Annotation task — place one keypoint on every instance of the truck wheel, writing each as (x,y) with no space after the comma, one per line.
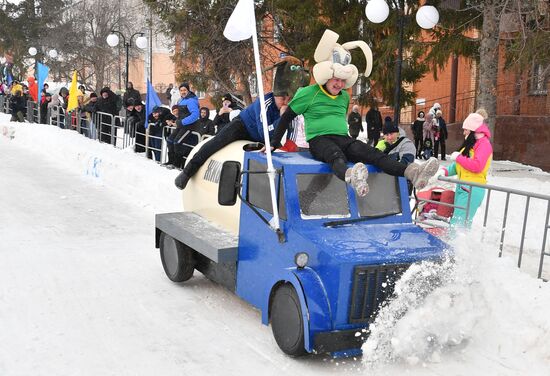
(177,259)
(286,321)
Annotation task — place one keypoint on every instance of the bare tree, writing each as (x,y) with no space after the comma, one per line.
(83,44)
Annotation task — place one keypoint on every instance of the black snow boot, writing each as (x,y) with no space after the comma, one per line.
(181,180)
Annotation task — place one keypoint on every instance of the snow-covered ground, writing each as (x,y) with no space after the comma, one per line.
(82,290)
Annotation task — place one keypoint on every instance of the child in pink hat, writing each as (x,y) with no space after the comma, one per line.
(471,163)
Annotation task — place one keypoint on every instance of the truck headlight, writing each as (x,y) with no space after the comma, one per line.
(301,259)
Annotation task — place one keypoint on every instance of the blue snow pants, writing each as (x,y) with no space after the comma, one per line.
(461,199)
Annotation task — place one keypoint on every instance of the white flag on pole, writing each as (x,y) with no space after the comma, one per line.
(241,25)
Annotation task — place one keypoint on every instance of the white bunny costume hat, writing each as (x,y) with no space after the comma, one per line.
(334,60)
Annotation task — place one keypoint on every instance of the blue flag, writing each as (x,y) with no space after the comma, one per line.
(42,74)
(7,74)
(151,100)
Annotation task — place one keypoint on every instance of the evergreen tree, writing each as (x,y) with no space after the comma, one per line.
(28,24)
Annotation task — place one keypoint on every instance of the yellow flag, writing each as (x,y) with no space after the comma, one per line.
(73,95)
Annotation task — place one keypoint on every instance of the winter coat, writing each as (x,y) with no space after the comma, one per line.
(402,150)
(416,128)
(131,93)
(252,119)
(442,128)
(44,111)
(91,107)
(374,123)
(221,121)
(156,125)
(355,124)
(205,125)
(428,130)
(189,111)
(17,104)
(474,168)
(109,104)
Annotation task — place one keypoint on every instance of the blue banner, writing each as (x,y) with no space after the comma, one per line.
(42,74)
(151,101)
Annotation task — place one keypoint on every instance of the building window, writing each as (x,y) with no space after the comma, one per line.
(538,80)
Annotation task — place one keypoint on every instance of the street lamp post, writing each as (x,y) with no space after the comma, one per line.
(33,51)
(141,43)
(427,17)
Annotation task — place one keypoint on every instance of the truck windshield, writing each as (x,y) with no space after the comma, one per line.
(326,196)
(322,196)
(383,198)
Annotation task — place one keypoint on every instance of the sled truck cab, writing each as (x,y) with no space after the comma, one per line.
(320,280)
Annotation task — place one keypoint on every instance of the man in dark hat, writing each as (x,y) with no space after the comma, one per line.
(107,104)
(158,119)
(131,93)
(396,144)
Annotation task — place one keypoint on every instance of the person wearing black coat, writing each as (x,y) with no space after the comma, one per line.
(204,125)
(131,93)
(222,117)
(137,117)
(44,108)
(442,137)
(416,129)
(107,104)
(18,106)
(354,122)
(158,119)
(374,125)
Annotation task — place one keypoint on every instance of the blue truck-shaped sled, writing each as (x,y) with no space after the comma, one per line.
(320,281)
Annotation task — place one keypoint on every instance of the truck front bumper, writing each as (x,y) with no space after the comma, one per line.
(338,341)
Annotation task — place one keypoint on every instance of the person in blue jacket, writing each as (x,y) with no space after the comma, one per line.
(189,113)
(289,76)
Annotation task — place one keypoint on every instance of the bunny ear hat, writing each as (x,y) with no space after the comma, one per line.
(334,60)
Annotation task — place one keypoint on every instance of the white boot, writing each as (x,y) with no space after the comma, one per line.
(420,174)
(357,176)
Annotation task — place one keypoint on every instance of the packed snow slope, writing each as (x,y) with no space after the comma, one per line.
(82,290)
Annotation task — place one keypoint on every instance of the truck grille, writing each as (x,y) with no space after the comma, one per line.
(372,285)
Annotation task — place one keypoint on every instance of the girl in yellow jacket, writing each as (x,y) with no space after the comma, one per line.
(471,164)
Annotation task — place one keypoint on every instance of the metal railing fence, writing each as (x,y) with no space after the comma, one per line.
(529,196)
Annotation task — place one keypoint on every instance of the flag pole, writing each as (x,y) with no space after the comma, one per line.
(270,169)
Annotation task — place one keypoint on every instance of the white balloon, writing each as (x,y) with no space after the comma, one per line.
(53,54)
(377,11)
(427,17)
(141,42)
(112,40)
(33,51)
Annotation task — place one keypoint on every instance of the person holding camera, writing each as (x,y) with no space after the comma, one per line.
(222,117)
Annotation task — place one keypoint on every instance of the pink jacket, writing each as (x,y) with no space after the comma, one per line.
(482,152)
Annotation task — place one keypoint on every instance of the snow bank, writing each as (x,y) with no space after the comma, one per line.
(131,175)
